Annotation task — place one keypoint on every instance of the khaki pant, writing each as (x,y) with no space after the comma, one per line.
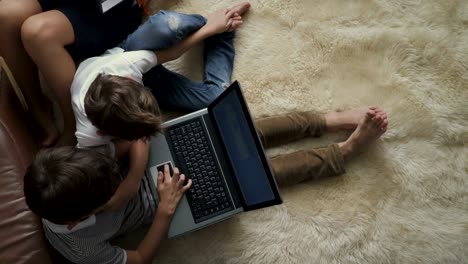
(302,165)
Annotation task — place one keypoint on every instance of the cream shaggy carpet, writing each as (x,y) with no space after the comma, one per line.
(406,199)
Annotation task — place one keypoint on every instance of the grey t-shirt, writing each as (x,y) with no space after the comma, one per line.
(89,241)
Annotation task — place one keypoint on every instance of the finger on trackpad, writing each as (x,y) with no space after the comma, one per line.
(160,167)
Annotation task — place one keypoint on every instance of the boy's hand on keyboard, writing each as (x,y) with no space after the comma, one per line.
(171,189)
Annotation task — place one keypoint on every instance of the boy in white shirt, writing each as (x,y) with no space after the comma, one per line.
(112,106)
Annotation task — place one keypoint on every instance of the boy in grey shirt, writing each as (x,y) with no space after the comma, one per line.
(68,186)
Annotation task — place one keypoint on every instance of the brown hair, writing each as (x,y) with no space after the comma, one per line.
(122,107)
(65,184)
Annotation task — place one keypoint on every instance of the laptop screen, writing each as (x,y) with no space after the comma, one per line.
(233,124)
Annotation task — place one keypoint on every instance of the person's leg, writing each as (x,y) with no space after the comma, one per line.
(219,54)
(174,91)
(316,163)
(12,15)
(299,166)
(281,129)
(277,130)
(162,30)
(370,127)
(347,119)
(44,37)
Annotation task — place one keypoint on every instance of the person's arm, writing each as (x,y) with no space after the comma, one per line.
(170,190)
(218,22)
(121,148)
(138,156)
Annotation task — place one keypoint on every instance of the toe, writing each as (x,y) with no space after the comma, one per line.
(377,120)
(380,123)
(370,113)
(385,123)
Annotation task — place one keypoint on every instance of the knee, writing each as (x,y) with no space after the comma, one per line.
(213,91)
(165,24)
(173,24)
(36,30)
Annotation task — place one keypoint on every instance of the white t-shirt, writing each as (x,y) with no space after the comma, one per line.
(132,64)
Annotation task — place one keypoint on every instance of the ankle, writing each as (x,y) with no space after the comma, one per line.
(347,149)
(331,121)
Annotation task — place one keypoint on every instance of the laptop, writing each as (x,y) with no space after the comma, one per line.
(219,149)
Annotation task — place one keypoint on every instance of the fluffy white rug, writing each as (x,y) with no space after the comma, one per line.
(406,199)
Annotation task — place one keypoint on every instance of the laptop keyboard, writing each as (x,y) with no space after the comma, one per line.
(208,196)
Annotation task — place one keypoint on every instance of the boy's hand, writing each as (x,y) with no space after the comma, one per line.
(171,189)
(223,20)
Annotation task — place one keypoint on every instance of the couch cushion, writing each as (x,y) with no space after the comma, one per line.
(22,239)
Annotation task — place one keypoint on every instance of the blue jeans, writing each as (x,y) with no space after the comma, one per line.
(162,30)
(172,90)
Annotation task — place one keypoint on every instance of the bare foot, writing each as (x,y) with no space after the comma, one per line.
(238,11)
(348,119)
(369,129)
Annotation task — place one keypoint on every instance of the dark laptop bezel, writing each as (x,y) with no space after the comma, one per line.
(277,197)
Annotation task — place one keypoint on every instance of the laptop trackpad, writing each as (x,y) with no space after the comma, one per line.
(159,155)
(160,168)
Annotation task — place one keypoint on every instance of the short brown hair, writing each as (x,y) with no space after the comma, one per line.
(122,107)
(65,184)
